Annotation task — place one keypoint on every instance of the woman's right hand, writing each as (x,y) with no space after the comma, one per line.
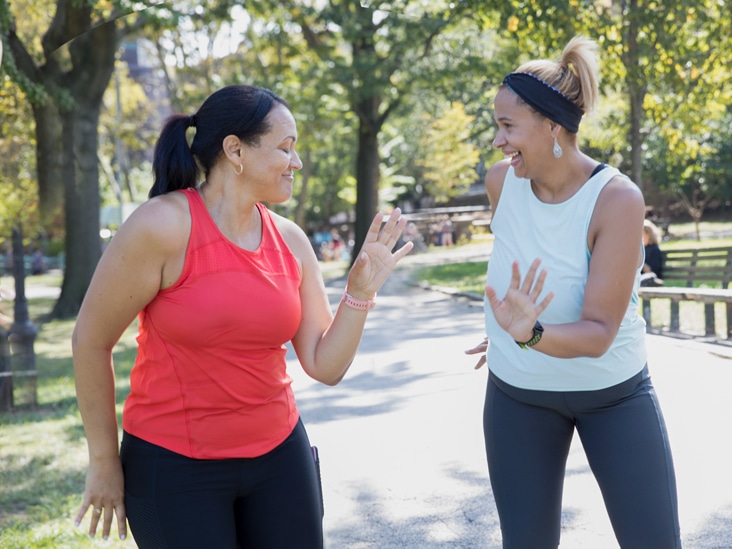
(104,493)
(518,311)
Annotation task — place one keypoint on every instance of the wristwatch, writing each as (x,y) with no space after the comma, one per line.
(536,338)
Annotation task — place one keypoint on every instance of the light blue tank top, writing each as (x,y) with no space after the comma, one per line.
(526,228)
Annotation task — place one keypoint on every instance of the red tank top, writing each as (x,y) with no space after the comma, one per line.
(210,381)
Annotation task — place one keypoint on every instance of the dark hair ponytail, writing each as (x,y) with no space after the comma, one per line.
(173,164)
(233,110)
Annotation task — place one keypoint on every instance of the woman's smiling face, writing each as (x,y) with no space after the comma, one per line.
(522,135)
(270,165)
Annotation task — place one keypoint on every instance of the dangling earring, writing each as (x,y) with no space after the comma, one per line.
(241,167)
(557,150)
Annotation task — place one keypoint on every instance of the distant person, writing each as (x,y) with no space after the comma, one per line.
(652,270)
(572,358)
(38,264)
(446,238)
(214,453)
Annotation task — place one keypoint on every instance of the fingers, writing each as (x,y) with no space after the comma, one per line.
(106,515)
(404,250)
(393,229)
(532,286)
(479,348)
(122,522)
(545,302)
(96,514)
(530,275)
(493,300)
(390,232)
(373,232)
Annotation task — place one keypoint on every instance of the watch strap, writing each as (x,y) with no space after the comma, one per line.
(535,338)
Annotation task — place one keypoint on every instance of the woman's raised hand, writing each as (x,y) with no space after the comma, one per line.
(376,261)
(518,311)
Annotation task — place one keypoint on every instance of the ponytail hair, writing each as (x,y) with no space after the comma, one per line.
(234,110)
(575,75)
(173,164)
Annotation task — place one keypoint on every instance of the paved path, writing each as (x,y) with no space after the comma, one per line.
(402,447)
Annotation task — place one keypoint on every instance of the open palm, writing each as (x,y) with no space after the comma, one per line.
(376,261)
(518,311)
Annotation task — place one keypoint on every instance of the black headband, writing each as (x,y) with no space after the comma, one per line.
(545,99)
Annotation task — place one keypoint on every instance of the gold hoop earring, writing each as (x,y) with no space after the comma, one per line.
(241,169)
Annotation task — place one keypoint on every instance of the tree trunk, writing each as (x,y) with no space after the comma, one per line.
(636,92)
(93,55)
(49,158)
(81,186)
(367,169)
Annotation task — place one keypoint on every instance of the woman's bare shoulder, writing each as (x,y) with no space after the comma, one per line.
(162,221)
(494,179)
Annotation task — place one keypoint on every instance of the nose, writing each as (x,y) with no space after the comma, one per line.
(295,161)
(499,141)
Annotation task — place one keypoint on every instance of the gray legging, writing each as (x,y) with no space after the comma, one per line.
(528,435)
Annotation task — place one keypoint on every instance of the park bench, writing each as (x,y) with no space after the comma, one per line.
(711,267)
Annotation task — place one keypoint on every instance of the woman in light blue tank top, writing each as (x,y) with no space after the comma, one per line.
(567,346)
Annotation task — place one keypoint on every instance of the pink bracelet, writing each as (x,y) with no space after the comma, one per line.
(360,304)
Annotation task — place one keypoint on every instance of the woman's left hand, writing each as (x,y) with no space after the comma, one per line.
(375,261)
(480,349)
(518,311)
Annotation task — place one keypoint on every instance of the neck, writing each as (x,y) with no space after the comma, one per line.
(563,178)
(236,215)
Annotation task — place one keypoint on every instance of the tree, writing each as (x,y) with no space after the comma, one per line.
(64,80)
(375,53)
(18,190)
(449,158)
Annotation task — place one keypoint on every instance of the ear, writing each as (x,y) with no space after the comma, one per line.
(232,149)
(554,128)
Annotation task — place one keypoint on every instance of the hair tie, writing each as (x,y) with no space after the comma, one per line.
(192,121)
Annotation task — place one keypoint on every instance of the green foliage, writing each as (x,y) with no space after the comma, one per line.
(449,159)
(18,190)
(127,132)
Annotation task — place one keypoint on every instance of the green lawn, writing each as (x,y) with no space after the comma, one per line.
(42,450)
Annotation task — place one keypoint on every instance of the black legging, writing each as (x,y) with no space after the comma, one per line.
(528,435)
(268,502)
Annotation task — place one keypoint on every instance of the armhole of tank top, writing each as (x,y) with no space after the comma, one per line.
(494,211)
(614,173)
(190,199)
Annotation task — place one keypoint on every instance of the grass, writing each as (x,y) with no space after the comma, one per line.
(43,453)
(466,276)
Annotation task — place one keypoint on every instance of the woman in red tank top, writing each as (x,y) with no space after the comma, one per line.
(213,452)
